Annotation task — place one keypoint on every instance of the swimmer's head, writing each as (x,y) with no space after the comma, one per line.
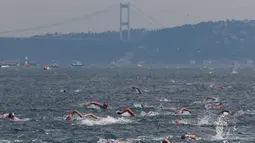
(184,136)
(11,115)
(105,105)
(166,141)
(69,117)
(119,112)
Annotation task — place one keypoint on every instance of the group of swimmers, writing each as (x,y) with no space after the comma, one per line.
(130,113)
(210,102)
(125,112)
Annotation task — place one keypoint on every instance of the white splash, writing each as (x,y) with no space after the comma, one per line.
(5,141)
(105,121)
(164,100)
(77,90)
(204,120)
(220,123)
(101,140)
(138,105)
(150,113)
(93,106)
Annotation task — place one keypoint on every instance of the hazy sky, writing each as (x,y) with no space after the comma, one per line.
(20,14)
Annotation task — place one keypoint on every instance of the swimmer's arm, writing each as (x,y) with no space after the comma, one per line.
(76,112)
(131,112)
(93,116)
(85,105)
(70,116)
(219,106)
(193,137)
(3,115)
(185,109)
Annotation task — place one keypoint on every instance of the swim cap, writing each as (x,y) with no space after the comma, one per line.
(183,136)
(11,115)
(118,112)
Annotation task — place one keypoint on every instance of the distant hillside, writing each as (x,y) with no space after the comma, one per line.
(207,40)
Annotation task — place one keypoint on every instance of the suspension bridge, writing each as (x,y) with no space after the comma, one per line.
(125,20)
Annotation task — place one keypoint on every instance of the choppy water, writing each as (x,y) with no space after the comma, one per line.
(35,94)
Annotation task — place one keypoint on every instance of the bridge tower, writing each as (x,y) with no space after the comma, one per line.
(126,22)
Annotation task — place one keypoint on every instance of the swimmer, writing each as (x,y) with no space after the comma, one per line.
(214,105)
(63,90)
(210,98)
(218,106)
(70,116)
(104,106)
(137,90)
(189,137)
(226,112)
(220,87)
(10,116)
(180,112)
(126,112)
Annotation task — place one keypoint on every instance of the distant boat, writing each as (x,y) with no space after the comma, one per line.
(46,67)
(77,63)
(4,66)
(54,65)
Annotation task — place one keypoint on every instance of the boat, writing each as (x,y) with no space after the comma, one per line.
(4,66)
(27,65)
(77,63)
(54,65)
(46,68)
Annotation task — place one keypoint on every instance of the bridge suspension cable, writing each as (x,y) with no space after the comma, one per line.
(61,22)
(149,19)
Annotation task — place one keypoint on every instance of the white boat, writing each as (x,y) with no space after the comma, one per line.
(46,68)
(4,66)
(77,63)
